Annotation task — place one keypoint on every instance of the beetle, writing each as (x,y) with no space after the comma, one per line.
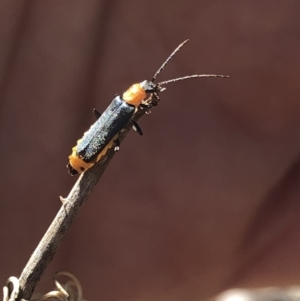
(104,133)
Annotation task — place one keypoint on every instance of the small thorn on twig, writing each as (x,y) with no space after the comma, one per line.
(63,200)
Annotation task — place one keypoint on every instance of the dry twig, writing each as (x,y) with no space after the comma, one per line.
(47,247)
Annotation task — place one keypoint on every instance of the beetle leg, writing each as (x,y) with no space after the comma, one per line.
(117,145)
(96,113)
(136,127)
(145,105)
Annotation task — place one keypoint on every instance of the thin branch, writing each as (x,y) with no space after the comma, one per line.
(47,247)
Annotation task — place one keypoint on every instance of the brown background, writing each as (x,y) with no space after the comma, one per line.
(209,197)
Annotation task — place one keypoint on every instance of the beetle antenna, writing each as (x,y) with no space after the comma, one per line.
(190,76)
(168,60)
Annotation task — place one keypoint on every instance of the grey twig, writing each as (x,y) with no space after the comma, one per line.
(47,247)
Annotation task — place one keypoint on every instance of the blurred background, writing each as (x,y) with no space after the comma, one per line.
(208,198)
